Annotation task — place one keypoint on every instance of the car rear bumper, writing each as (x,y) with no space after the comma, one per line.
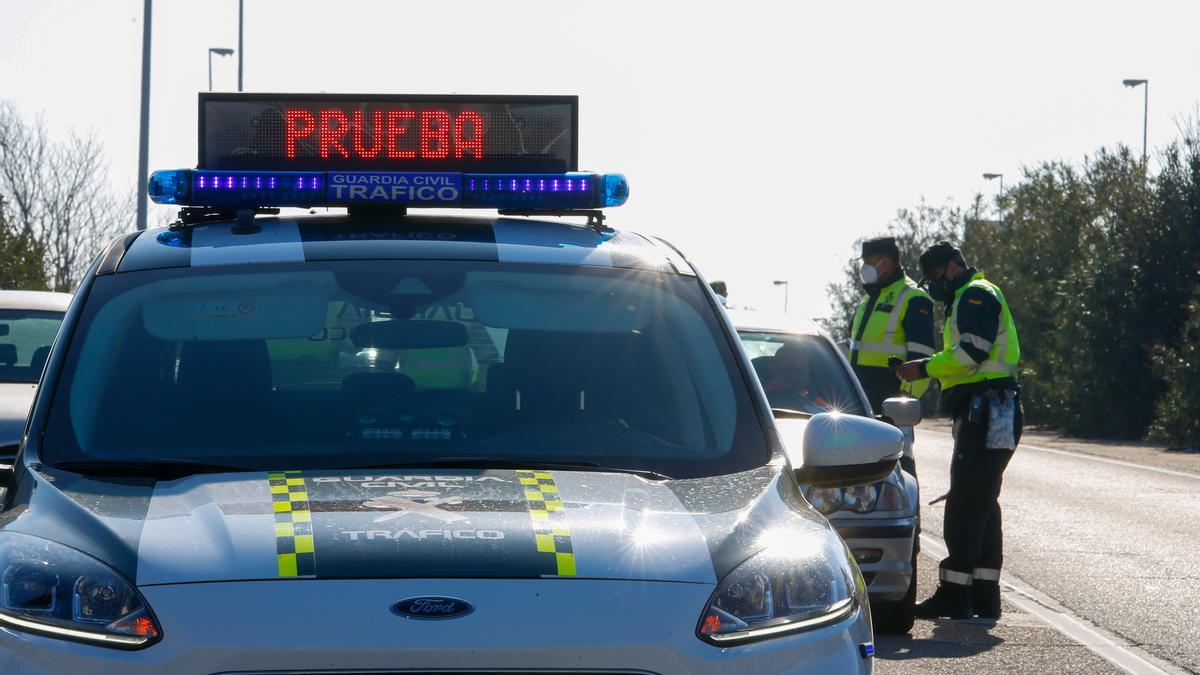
(334,626)
(892,541)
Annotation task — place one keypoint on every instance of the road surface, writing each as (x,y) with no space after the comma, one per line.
(1102,540)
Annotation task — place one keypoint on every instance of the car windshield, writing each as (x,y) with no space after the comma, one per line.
(377,363)
(802,372)
(25,338)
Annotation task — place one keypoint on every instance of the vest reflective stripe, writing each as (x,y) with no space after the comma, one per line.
(918,348)
(1004,353)
(875,347)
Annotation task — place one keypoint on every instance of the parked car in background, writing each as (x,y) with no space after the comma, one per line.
(29,321)
(803,374)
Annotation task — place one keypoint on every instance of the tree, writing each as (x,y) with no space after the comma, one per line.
(60,194)
(22,262)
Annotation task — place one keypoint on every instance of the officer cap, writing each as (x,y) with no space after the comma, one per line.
(880,245)
(939,255)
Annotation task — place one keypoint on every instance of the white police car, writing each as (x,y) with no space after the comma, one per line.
(380,442)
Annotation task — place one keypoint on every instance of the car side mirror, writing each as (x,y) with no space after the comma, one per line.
(844,450)
(903,411)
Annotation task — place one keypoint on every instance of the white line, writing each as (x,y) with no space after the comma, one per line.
(1028,599)
(1094,458)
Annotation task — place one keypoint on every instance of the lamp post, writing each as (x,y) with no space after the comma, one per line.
(785,285)
(144,127)
(1145,109)
(219,51)
(240,51)
(991,176)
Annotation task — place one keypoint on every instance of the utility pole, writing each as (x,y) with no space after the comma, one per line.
(240,46)
(144,132)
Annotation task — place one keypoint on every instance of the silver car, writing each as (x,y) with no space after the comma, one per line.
(803,373)
(29,321)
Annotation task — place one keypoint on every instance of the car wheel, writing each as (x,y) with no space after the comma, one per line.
(897,617)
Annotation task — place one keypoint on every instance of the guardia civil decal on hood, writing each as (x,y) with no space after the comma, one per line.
(405,524)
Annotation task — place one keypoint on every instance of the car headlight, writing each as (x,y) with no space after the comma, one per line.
(859,498)
(52,589)
(826,500)
(797,586)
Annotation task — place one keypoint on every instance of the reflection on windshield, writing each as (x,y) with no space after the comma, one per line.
(25,339)
(371,363)
(801,372)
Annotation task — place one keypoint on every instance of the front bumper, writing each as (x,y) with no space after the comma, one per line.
(312,626)
(893,540)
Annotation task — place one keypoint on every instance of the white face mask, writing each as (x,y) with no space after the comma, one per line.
(868,273)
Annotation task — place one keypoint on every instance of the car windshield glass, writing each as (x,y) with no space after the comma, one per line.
(25,338)
(377,363)
(802,372)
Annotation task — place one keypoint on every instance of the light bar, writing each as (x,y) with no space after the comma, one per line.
(526,191)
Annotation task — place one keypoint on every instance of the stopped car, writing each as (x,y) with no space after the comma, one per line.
(374,441)
(29,321)
(804,374)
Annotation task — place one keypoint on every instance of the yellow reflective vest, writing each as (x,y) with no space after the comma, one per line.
(883,335)
(962,359)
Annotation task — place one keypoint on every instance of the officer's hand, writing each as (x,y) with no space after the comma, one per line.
(909,371)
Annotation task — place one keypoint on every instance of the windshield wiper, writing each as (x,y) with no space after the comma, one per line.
(155,467)
(506,463)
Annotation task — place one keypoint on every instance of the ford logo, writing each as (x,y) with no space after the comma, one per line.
(432,607)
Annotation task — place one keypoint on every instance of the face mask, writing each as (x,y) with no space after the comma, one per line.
(868,273)
(939,290)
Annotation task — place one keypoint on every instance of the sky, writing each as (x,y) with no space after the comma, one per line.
(761,138)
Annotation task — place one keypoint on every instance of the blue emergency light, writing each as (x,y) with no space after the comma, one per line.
(533,192)
(504,152)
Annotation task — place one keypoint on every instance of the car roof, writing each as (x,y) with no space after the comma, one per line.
(770,322)
(424,236)
(44,301)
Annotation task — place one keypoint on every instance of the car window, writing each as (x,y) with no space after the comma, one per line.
(355,363)
(25,339)
(802,372)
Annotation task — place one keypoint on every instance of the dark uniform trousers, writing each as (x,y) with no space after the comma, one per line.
(972,525)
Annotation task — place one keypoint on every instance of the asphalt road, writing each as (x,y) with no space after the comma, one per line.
(1111,543)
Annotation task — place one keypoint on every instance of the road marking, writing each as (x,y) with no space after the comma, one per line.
(1104,644)
(1094,458)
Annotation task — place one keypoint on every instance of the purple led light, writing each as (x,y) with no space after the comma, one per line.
(514,184)
(528,185)
(258,183)
(471,184)
(229,182)
(541,185)
(485,184)
(314,183)
(570,185)
(555,185)
(244,179)
(201,182)
(272,182)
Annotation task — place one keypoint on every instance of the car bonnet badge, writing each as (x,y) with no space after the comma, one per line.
(432,607)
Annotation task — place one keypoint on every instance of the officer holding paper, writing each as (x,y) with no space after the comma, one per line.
(977,368)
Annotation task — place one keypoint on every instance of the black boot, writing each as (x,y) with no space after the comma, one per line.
(985,599)
(950,601)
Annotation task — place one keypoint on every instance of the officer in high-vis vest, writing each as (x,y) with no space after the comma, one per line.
(894,320)
(977,369)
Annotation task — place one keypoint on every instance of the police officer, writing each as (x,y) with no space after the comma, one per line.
(894,320)
(977,369)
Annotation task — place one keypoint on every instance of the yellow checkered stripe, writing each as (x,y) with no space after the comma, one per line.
(549,521)
(293,524)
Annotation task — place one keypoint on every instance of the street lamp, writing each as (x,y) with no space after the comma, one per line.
(1145,111)
(219,51)
(785,285)
(991,176)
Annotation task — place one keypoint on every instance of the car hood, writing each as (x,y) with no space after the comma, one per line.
(412,524)
(15,399)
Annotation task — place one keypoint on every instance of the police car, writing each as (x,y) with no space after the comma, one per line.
(804,373)
(376,441)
